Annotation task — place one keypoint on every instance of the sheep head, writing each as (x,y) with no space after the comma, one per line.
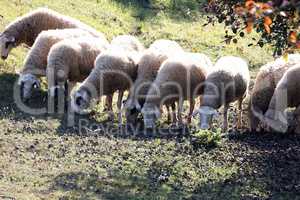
(28,83)
(150,113)
(132,109)
(81,100)
(206,114)
(275,120)
(7,43)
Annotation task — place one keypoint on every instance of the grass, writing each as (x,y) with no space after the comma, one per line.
(42,159)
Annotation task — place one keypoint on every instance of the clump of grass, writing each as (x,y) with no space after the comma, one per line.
(206,139)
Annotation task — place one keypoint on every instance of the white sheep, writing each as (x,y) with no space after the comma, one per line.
(286,95)
(25,29)
(128,43)
(36,60)
(227,82)
(179,78)
(121,57)
(115,70)
(148,67)
(265,83)
(71,61)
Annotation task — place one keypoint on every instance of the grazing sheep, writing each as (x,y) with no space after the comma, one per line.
(36,60)
(120,60)
(179,78)
(128,42)
(72,60)
(26,29)
(226,82)
(286,95)
(149,64)
(265,84)
(115,70)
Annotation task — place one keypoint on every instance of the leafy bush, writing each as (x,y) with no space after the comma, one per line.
(277,22)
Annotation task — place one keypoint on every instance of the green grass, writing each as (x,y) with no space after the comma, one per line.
(42,159)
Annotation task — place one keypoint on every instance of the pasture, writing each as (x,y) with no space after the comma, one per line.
(42,158)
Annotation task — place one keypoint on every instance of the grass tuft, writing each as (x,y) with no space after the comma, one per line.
(206,139)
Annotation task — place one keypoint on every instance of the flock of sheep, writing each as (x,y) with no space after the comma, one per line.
(68,51)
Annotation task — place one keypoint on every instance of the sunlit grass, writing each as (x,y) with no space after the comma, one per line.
(40,159)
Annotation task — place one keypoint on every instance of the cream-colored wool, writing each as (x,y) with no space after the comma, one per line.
(115,70)
(227,82)
(265,84)
(35,63)
(25,29)
(179,78)
(149,65)
(73,59)
(36,59)
(128,42)
(286,95)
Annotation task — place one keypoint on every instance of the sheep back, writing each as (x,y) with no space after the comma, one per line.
(150,63)
(231,77)
(117,69)
(75,57)
(36,59)
(128,42)
(186,71)
(27,27)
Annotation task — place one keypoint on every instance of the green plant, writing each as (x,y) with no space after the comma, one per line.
(206,139)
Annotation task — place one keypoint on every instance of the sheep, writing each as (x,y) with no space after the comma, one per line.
(115,70)
(286,95)
(149,64)
(72,60)
(36,60)
(26,29)
(227,82)
(128,43)
(121,59)
(179,78)
(265,84)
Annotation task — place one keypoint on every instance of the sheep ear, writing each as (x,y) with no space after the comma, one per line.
(36,85)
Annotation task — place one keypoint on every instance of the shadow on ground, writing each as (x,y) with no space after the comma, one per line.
(8,106)
(267,168)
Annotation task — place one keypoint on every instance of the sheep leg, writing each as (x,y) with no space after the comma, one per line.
(119,105)
(109,99)
(180,108)
(225,117)
(173,106)
(69,87)
(240,107)
(169,113)
(192,105)
(253,120)
(61,97)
